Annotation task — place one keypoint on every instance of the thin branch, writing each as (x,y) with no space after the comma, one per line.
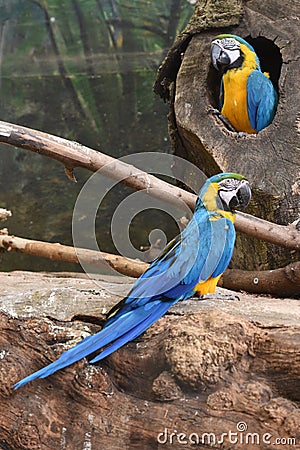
(72,155)
(67,253)
(5,214)
(282,282)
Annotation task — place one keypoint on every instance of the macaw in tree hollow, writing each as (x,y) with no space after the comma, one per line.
(247,96)
(191,264)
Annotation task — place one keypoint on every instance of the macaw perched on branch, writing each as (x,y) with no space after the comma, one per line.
(191,264)
(247,96)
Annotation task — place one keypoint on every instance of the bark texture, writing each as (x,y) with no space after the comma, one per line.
(270,159)
(210,366)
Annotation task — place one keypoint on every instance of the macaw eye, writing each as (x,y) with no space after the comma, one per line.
(228,182)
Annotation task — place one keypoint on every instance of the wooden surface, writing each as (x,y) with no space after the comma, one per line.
(203,368)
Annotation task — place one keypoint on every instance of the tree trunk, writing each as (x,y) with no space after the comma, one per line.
(270,159)
(199,370)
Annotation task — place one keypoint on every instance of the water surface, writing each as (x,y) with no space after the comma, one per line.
(83,70)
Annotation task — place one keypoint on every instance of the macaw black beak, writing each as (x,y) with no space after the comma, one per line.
(219,57)
(242,198)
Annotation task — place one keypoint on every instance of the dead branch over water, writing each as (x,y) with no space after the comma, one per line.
(73,155)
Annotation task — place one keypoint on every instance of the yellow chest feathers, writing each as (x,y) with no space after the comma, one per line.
(235,99)
(235,106)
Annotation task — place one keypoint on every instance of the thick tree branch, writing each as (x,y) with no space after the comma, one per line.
(282,282)
(72,155)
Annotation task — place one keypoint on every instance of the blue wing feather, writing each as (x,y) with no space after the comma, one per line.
(228,248)
(221,252)
(262,100)
(174,271)
(170,278)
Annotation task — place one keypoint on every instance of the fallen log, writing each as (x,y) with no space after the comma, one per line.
(72,155)
(190,378)
(283,282)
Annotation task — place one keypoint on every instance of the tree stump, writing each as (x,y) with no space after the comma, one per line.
(270,159)
(216,373)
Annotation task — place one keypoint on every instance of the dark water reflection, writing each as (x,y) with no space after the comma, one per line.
(97,94)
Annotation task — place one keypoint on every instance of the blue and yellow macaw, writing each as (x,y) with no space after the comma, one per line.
(247,96)
(191,264)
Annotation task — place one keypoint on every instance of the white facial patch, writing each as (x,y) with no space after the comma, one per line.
(231,47)
(226,196)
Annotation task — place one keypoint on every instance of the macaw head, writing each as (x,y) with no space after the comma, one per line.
(226,191)
(231,52)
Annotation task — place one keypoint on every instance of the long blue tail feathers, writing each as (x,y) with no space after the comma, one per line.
(118,333)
